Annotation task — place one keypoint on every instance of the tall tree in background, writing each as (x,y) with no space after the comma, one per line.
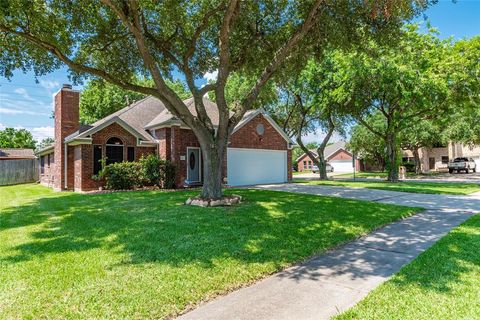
(120,40)
(16,138)
(45,143)
(364,143)
(463,125)
(422,134)
(405,83)
(100,98)
(306,105)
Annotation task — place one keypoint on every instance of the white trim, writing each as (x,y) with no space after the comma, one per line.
(304,154)
(65,154)
(46,150)
(78,141)
(168,124)
(110,121)
(338,149)
(327,157)
(199,164)
(252,115)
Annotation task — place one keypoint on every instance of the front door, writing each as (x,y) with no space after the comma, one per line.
(193,164)
(431,163)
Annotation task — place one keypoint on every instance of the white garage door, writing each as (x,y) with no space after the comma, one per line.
(254,166)
(342,165)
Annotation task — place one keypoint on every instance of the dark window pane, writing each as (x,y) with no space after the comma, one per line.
(131,154)
(114,154)
(97,156)
(115,141)
(42,164)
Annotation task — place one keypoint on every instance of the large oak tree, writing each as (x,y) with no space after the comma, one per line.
(118,40)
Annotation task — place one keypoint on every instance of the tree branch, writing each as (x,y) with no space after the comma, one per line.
(280,56)
(80,67)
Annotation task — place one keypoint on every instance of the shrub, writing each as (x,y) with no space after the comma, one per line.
(122,175)
(151,170)
(168,176)
(158,172)
(409,166)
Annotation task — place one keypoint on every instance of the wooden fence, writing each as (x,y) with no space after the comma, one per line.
(18,171)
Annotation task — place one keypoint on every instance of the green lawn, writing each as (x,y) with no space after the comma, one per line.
(383,174)
(145,255)
(410,186)
(442,283)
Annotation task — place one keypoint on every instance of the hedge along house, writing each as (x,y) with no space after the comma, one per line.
(259,151)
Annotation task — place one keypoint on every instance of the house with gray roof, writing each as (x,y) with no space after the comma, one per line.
(259,151)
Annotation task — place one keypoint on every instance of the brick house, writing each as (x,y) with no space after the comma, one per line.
(258,151)
(335,154)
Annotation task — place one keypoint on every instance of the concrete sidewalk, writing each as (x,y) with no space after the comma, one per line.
(335,281)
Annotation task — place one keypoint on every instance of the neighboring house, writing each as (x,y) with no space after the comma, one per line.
(336,154)
(436,159)
(16,154)
(258,151)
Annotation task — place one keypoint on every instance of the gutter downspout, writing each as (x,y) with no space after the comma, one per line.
(65,165)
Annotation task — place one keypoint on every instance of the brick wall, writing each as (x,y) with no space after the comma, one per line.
(47,178)
(180,140)
(84,154)
(300,161)
(247,136)
(66,123)
(164,147)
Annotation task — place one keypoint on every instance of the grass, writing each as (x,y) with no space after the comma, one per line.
(383,174)
(442,283)
(145,255)
(410,186)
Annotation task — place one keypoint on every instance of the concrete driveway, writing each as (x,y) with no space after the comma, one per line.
(335,281)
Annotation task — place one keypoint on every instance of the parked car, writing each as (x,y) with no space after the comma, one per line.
(462,164)
(329,168)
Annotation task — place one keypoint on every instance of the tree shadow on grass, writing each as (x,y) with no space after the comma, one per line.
(447,263)
(154,227)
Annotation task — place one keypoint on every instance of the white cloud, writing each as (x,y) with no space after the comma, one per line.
(12,111)
(40,133)
(211,76)
(2,126)
(23,92)
(49,84)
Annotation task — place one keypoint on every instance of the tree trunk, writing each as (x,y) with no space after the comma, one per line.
(213,156)
(322,163)
(392,157)
(416,157)
(310,154)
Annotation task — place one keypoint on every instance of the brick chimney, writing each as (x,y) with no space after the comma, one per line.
(67,103)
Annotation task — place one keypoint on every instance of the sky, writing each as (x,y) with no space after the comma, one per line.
(26,102)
